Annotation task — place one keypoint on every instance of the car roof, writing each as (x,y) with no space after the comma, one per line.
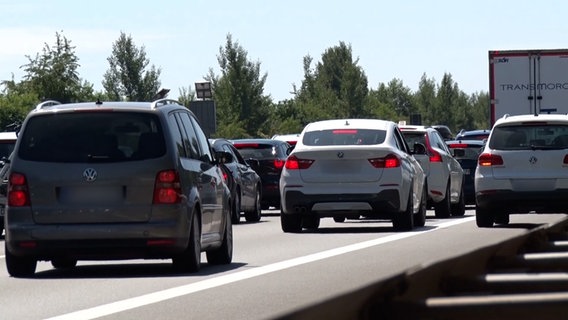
(465,141)
(259,140)
(375,124)
(9,135)
(415,128)
(506,119)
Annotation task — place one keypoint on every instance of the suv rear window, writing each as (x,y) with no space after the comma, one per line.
(344,137)
(257,150)
(529,136)
(92,137)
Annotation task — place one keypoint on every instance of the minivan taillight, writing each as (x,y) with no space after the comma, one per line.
(295,163)
(390,161)
(167,189)
(488,159)
(18,192)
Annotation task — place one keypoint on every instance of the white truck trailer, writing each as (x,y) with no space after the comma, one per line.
(528,82)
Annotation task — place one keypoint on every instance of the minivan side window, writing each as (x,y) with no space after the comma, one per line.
(176,131)
(190,138)
(202,138)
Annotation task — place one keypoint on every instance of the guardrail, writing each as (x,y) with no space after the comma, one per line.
(525,277)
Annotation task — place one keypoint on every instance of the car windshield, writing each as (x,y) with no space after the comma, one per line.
(523,136)
(92,137)
(344,137)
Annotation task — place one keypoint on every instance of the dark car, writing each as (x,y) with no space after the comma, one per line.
(244,182)
(271,155)
(444,131)
(473,134)
(466,153)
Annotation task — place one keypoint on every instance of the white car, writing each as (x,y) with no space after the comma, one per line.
(523,168)
(346,168)
(444,174)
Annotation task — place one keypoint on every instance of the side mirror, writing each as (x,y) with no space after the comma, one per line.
(223,157)
(419,148)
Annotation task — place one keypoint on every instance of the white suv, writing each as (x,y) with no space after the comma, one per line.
(523,168)
(444,174)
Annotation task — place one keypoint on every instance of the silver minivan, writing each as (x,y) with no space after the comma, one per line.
(115,180)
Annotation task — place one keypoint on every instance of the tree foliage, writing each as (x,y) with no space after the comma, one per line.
(53,74)
(129,76)
(239,93)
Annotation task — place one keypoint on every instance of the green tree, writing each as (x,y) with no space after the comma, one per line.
(242,106)
(425,99)
(336,88)
(53,74)
(186,95)
(129,76)
(447,97)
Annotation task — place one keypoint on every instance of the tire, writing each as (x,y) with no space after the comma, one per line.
(19,267)
(339,219)
(311,222)
(190,259)
(291,222)
(443,208)
(420,216)
(502,219)
(458,209)
(483,217)
(64,263)
(236,210)
(255,213)
(223,254)
(404,221)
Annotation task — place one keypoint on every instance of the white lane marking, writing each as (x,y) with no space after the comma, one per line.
(131,303)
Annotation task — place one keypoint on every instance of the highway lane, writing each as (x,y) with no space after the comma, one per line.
(272,272)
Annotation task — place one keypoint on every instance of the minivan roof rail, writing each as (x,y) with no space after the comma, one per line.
(162,102)
(47,103)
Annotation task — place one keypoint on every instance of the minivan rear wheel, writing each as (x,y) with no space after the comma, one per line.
(223,254)
(63,263)
(190,259)
(483,217)
(19,267)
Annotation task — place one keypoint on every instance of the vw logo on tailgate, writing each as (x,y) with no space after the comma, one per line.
(90,174)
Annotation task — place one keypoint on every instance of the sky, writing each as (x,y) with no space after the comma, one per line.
(401,40)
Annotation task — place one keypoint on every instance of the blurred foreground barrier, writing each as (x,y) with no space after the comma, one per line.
(523,278)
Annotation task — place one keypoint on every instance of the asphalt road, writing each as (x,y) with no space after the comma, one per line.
(272,274)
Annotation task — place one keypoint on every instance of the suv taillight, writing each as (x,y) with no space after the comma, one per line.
(488,159)
(167,188)
(434,156)
(390,161)
(18,193)
(294,163)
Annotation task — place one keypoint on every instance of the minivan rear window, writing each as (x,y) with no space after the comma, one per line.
(92,137)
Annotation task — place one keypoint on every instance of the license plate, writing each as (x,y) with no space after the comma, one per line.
(91,195)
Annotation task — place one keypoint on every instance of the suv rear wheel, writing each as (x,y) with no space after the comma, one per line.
(404,221)
(458,209)
(443,208)
(291,222)
(484,217)
(420,216)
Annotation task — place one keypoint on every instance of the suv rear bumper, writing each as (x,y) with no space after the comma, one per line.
(383,204)
(524,202)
